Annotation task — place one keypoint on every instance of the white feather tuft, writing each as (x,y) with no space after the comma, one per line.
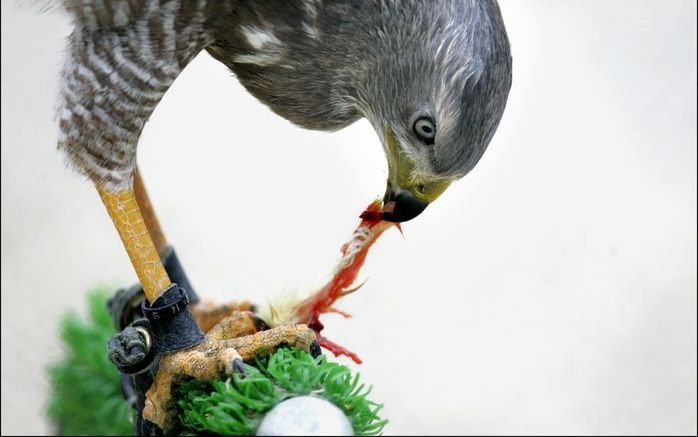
(281,310)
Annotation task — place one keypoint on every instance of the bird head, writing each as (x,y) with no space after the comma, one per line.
(435,94)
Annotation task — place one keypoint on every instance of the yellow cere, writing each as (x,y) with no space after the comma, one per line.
(401,174)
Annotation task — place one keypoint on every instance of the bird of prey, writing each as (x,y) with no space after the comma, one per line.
(431,76)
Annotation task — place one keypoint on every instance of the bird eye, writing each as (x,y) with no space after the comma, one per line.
(425,129)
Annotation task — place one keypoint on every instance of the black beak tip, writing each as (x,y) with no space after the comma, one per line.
(404,206)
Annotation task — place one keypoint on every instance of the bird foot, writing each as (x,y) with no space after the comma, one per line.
(227,345)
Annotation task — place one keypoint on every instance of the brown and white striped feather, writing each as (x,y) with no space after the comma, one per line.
(122,57)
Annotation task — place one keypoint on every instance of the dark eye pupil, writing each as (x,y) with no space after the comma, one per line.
(425,130)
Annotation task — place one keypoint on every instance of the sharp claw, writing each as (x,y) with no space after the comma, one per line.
(315,349)
(260,324)
(239,366)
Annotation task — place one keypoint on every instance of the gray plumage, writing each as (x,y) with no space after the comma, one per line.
(322,64)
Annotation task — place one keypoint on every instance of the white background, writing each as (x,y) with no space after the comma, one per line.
(553,290)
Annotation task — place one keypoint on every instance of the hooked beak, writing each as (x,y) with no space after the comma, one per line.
(401,205)
(406,196)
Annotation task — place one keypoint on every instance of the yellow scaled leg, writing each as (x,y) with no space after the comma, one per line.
(151,220)
(128,220)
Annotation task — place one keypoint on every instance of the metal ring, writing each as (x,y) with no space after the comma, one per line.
(146,337)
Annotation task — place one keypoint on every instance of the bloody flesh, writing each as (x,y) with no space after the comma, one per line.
(353,256)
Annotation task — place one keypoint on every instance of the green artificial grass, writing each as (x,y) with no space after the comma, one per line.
(86,393)
(237,406)
(86,396)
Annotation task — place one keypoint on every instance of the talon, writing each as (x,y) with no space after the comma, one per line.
(315,349)
(239,366)
(260,324)
(232,361)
